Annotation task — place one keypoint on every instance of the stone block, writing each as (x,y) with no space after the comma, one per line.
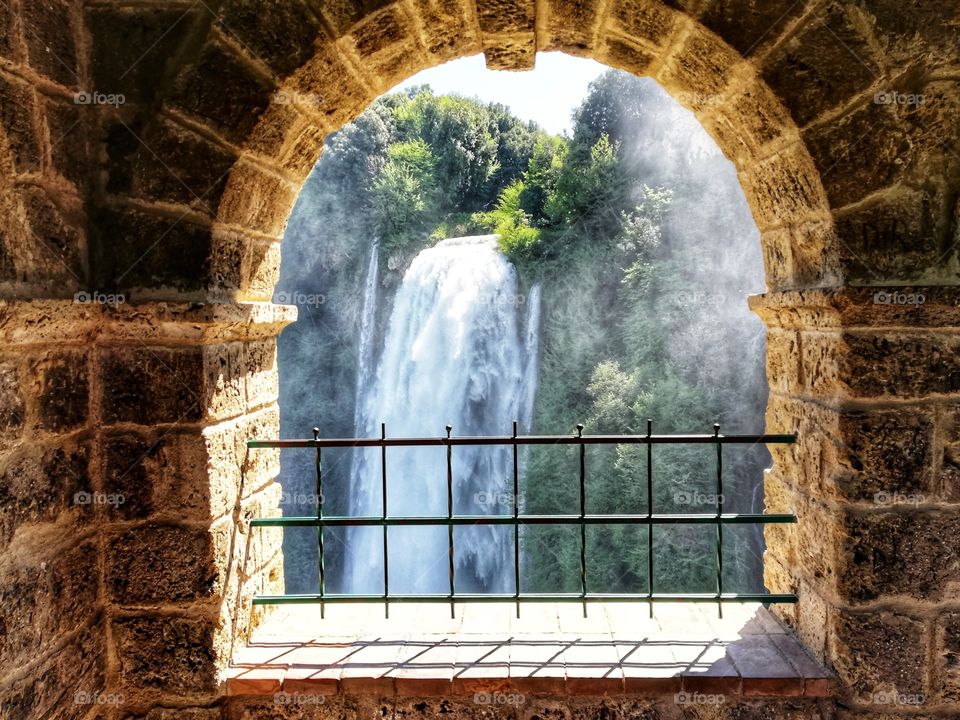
(751,25)
(136,67)
(256,200)
(878,652)
(906,554)
(137,250)
(62,388)
(66,685)
(222,91)
(149,386)
(282,39)
(175,165)
(166,653)
(18,108)
(44,596)
(45,485)
(51,33)
(160,564)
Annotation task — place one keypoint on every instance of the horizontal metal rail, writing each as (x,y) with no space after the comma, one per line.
(524,597)
(525,440)
(443,520)
(516,520)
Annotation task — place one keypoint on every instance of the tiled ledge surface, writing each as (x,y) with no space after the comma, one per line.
(551,649)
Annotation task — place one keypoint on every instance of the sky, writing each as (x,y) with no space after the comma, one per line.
(546,95)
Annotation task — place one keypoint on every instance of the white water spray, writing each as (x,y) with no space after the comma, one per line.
(454,353)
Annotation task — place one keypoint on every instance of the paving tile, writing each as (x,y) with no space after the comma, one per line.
(254,681)
(712,673)
(764,669)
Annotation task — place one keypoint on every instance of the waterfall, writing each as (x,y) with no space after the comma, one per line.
(454,353)
(368,325)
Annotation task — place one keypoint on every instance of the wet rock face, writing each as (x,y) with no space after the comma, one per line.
(150,154)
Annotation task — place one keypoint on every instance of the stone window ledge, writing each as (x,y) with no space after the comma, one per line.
(551,649)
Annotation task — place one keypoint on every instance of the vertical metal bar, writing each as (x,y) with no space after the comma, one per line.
(516,524)
(716,434)
(650,512)
(453,613)
(583,526)
(319,499)
(386,556)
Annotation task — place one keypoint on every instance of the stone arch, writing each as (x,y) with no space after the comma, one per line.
(178,196)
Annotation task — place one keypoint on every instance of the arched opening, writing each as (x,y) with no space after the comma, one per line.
(630,250)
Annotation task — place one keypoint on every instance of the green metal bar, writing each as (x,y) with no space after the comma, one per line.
(316,434)
(527,597)
(525,440)
(386,553)
(716,433)
(453,613)
(516,526)
(667,519)
(650,512)
(583,525)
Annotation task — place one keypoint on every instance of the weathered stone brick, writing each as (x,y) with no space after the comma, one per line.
(877,652)
(341,15)
(165,476)
(948,482)
(56,238)
(947,657)
(19,124)
(569,25)
(42,486)
(225,380)
(900,365)
(175,165)
(897,237)
(447,30)
(885,455)
(136,67)
(642,20)
(155,564)
(505,16)
(171,654)
(828,62)
(752,25)
(222,91)
(282,39)
(51,31)
(11,397)
(62,390)
(44,596)
(148,386)
(858,153)
(257,200)
(327,84)
(134,249)
(906,553)
(784,189)
(65,686)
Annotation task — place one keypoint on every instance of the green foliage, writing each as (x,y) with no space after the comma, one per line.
(518,240)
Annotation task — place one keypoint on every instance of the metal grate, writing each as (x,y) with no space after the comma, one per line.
(649,519)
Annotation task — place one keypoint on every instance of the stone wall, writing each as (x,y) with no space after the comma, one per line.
(150,153)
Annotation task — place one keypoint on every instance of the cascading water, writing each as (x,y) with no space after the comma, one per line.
(454,353)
